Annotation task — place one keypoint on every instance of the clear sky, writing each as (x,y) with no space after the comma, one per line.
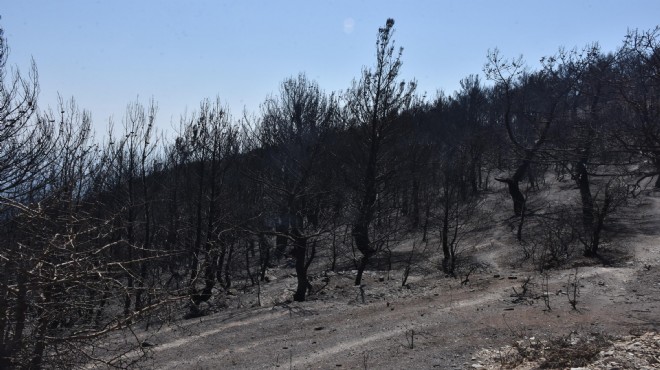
(108,53)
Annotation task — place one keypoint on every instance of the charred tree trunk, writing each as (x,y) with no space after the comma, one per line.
(300,251)
(334,254)
(427,215)
(230,255)
(475,176)
(447,260)
(360,234)
(249,248)
(130,236)
(197,246)
(513,183)
(281,241)
(41,331)
(264,255)
(220,262)
(447,266)
(360,229)
(146,246)
(582,178)
(602,213)
(415,202)
(210,259)
(516,195)
(20,315)
(361,267)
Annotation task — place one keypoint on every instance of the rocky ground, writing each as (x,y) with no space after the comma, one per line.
(575,351)
(591,314)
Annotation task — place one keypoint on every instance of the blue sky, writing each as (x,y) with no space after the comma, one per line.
(108,53)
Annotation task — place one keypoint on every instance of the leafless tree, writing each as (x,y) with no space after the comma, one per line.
(531,103)
(203,154)
(295,171)
(638,85)
(372,105)
(62,279)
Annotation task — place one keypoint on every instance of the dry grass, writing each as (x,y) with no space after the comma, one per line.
(569,351)
(557,353)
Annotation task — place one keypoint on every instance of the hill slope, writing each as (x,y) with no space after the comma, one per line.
(433,321)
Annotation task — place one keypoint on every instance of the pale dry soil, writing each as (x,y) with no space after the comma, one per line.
(437,321)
